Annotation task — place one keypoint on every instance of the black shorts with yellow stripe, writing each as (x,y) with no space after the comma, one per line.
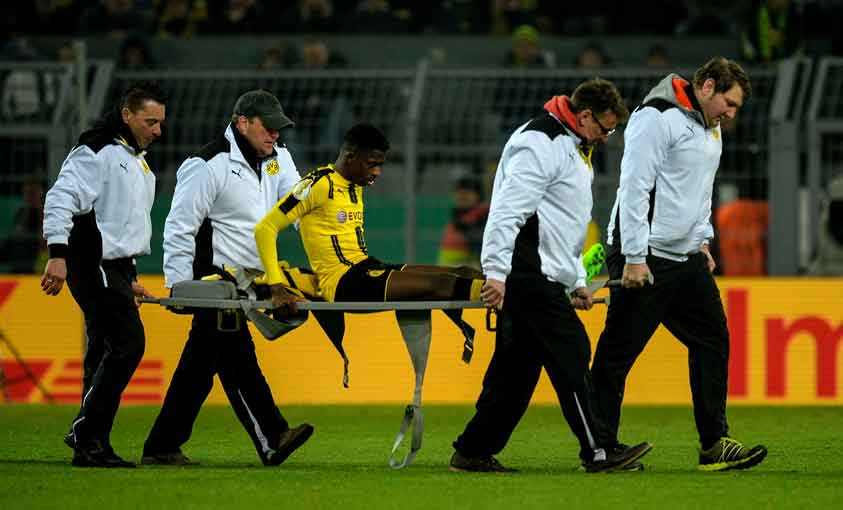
(365,281)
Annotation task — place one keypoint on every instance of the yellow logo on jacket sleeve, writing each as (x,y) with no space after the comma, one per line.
(273,167)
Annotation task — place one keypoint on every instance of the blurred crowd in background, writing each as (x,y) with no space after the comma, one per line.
(187,18)
(767,29)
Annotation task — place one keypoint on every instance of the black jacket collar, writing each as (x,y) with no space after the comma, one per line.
(695,104)
(108,128)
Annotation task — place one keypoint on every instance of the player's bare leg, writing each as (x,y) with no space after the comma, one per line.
(461,271)
(413,285)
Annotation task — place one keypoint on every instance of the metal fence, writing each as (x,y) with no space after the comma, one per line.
(34,104)
(824,122)
(443,124)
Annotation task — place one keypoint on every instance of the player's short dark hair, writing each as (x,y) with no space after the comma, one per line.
(139,92)
(725,73)
(599,96)
(365,137)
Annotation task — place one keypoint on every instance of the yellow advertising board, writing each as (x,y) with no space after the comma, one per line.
(786,348)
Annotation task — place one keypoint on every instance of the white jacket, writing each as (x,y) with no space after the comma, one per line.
(107,176)
(669,161)
(219,188)
(541,206)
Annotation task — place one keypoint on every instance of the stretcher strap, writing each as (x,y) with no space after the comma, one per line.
(416,330)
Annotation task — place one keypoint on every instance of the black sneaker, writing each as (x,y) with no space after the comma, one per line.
(70,440)
(632,466)
(617,459)
(168,459)
(96,454)
(728,453)
(290,441)
(460,463)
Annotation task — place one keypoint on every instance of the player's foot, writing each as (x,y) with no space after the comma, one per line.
(617,459)
(728,453)
(168,459)
(95,453)
(290,441)
(460,463)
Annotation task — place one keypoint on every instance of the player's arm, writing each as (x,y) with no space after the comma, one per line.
(300,201)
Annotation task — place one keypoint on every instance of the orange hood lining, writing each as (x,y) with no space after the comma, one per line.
(560,107)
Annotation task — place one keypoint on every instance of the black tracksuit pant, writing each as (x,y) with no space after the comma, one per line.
(537,328)
(231,355)
(115,342)
(686,300)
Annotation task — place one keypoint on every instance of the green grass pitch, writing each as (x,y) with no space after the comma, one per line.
(344,465)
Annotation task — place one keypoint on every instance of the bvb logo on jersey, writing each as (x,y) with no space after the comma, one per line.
(272,168)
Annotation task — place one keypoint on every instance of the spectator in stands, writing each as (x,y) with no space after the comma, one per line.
(134,54)
(279,56)
(310,17)
(236,17)
(462,238)
(592,56)
(772,30)
(657,57)
(22,248)
(323,115)
(514,98)
(742,226)
(829,259)
(27,94)
(112,17)
(66,54)
(315,55)
(526,51)
(377,17)
(180,18)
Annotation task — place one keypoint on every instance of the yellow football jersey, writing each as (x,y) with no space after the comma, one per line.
(330,211)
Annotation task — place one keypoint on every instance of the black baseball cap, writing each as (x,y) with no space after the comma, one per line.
(260,103)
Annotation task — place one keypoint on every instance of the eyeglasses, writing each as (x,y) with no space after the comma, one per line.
(606,132)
